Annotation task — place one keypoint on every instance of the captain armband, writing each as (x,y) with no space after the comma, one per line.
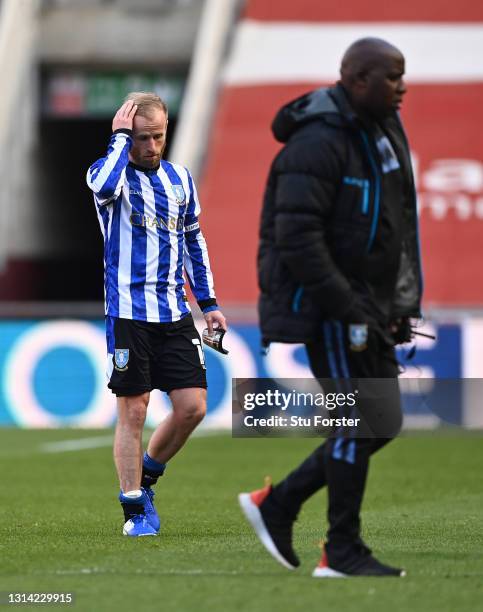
(192,227)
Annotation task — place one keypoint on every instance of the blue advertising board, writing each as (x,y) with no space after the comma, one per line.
(52,373)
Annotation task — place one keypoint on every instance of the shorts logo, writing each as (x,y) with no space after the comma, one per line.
(358,335)
(121,357)
(179,194)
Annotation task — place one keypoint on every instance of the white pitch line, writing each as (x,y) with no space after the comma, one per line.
(202,572)
(63,446)
(174,572)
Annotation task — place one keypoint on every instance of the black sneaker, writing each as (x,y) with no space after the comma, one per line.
(365,565)
(273,530)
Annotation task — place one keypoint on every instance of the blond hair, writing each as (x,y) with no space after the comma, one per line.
(146,101)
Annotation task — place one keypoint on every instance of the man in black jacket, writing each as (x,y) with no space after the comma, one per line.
(339,270)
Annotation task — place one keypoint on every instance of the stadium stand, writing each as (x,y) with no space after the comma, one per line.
(281,50)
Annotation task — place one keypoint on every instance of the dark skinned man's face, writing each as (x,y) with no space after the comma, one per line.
(382,89)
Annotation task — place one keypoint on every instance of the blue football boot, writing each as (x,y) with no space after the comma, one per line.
(149,509)
(138,526)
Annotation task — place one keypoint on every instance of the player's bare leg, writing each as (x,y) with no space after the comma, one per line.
(135,502)
(128,440)
(189,408)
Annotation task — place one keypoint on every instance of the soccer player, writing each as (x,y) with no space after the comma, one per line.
(148,211)
(339,270)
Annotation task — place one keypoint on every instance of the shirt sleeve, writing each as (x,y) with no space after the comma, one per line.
(106,176)
(196,260)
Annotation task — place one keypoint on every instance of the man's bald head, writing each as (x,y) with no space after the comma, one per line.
(371,73)
(364,55)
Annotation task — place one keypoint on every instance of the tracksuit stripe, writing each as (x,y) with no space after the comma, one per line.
(337,450)
(339,331)
(350,455)
(344,448)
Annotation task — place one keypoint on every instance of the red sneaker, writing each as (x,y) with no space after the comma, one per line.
(273,529)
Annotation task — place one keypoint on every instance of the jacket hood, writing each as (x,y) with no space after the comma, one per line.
(329,103)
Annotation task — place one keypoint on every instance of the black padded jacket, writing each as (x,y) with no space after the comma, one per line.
(320,220)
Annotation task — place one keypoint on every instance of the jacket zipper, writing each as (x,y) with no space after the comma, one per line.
(365,197)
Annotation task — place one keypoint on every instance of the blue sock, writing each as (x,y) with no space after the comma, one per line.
(152,470)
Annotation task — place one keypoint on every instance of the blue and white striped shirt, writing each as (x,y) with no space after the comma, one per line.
(149,220)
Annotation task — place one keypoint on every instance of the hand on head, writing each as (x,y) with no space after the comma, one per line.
(124,117)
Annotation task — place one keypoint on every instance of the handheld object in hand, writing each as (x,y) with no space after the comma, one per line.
(215,340)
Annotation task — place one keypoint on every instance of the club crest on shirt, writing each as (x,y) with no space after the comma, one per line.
(358,335)
(121,357)
(179,194)
(389,161)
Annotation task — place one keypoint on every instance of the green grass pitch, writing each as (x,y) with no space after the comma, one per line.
(61,523)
